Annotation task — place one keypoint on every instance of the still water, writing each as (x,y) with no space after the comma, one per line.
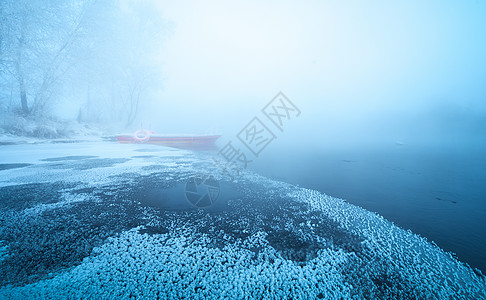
(437,192)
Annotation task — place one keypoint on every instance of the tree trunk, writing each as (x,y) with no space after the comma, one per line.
(20,73)
(23,97)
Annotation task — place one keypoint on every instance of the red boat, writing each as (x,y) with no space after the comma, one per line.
(175,141)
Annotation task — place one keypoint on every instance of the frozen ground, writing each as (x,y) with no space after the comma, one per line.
(85,220)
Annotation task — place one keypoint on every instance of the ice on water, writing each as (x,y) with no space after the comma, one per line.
(175,264)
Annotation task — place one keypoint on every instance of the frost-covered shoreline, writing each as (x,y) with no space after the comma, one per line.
(275,240)
(17,129)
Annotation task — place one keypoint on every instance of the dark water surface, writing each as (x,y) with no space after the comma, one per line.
(439,193)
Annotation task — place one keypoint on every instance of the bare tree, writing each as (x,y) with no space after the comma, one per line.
(36,43)
(98,54)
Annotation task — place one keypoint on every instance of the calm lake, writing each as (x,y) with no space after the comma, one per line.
(439,193)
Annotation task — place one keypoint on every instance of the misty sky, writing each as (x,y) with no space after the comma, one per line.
(351,66)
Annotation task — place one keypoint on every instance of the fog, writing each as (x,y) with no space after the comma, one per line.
(387,98)
(391,95)
(361,73)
